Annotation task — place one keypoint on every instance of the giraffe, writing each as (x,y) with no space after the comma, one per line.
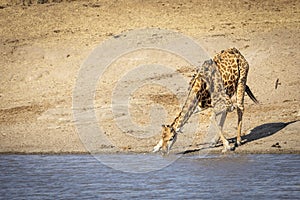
(213,86)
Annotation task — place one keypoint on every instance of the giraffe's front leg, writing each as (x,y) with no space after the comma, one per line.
(219,129)
(220,119)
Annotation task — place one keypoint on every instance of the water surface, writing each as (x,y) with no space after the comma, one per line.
(189,177)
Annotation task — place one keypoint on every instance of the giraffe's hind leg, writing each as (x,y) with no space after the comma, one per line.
(240,106)
(240,94)
(240,113)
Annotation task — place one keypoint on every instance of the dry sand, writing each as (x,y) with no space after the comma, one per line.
(43,46)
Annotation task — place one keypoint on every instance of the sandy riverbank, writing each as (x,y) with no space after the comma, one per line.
(42,47)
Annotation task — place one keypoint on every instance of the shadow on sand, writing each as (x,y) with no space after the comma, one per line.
(264,130)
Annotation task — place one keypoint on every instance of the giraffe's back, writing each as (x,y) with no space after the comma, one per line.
(230,63)
(208,86)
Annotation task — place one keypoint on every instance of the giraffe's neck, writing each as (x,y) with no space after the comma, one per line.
(206,86)
(188,108)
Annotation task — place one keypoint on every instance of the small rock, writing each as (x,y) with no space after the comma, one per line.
(277,145)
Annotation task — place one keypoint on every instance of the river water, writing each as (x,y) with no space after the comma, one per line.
(186,177)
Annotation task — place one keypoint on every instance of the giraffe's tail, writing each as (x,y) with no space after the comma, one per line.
(250,94)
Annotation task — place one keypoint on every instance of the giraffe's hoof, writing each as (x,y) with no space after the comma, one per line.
(226,148)
(214,141)
(214,144)
(237,143)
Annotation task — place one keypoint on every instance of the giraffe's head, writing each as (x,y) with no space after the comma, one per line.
(169,137)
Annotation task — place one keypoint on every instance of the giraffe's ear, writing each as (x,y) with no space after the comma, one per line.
(163,125)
